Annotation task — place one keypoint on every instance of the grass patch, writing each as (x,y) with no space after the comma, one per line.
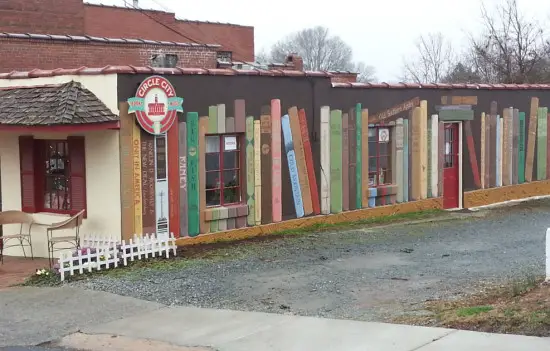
(518,307)
(472,311)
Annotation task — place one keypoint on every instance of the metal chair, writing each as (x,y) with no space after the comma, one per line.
(73,241)
(21,218)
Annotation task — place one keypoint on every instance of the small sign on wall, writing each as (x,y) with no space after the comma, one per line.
(383,135)
(230,143)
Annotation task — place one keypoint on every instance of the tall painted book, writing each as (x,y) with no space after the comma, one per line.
(193,173)
(336,161)
(138,199)
(515,143)
(531,139)
(506,119)
(276,201)
(352,147)
(416,146)
(521,149)
(472,153)
(542,143)
(203,130)
(345,162)
(300,160)
(359,157)
(423,149)
(267,164)
(148,173)
(257,174)
(404,185)
(433,154)
(292,166)
(325,160)
(482,151)
(499,150)
(184,219)
(399,158)
(250,170)
(365,157)
(510,146)
(309,162)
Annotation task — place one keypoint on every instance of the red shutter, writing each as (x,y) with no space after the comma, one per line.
(26,162)
(77,162)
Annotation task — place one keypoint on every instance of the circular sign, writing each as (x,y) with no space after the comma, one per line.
(156,105)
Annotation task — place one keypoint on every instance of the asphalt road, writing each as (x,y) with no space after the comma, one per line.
(365,274)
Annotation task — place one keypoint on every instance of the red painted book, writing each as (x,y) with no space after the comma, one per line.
(309,162)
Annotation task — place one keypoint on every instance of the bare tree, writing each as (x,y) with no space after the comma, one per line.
(365,73)
(433,60)
(511,49)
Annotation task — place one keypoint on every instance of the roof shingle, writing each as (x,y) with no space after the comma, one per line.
(64,104)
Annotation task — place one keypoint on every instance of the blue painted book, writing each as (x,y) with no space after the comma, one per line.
(292,166)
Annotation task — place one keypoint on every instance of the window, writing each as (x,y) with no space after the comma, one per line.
(52,175)
(225,56)
(223,170)
(379,156)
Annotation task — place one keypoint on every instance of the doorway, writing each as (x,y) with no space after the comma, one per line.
(451,166)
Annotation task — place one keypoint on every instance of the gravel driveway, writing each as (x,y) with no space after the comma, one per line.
(365,274)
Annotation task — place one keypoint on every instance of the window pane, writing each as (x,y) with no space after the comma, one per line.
(213,162)
(231,178)
(373,136)
(212,143)
(372,179)
(384,149)
(384,162)
(230,160)
(213,198)
(212,180)
(373,148)
(56,193)
(372,164)
(231,195)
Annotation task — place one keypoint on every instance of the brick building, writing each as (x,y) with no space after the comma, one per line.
(71,33)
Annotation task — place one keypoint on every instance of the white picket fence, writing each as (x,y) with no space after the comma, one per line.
(109,253)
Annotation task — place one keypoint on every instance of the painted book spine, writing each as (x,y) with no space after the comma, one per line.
(221,119)
(240,116)
(404,185)
(416,146)
(472,153)
(499,150)
(541,143)
(173,180)
(300,160)
(276,201)
(148,181)
(531,139)
(433,155)
(482,150)
(212,127)
(336,161)
(345,162)
(126,161)
(359,157)
(325,160)
(193,173)
(183,178)
(547,145)
(203,130)
(365,157)
(138,198)
(250,171)
(441,155)
(309,162)
(267,165)
(510,146)
(521,149)
(292,166)
(257,174)
(161,189)
(493,157)
(352,149)
(515,142)
(399,159)
(505,151)
(488,148)
(423,149)
(430,166)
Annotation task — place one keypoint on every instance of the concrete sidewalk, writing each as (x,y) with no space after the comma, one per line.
(242,331)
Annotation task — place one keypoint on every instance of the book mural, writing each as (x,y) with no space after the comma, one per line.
(229,167)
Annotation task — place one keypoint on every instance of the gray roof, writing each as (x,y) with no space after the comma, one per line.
(63,104)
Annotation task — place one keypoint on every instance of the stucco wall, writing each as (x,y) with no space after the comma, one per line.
(102,167)
(102,183)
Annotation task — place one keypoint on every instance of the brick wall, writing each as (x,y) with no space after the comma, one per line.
(42,16)
(28,54)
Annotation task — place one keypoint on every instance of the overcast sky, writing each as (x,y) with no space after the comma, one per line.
(381,33)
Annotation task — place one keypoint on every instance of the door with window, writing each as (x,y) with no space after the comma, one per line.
(451,167)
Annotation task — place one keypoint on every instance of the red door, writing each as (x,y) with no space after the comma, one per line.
(450,167)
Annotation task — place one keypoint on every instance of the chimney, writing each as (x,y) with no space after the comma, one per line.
(295,61)
(136,3)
